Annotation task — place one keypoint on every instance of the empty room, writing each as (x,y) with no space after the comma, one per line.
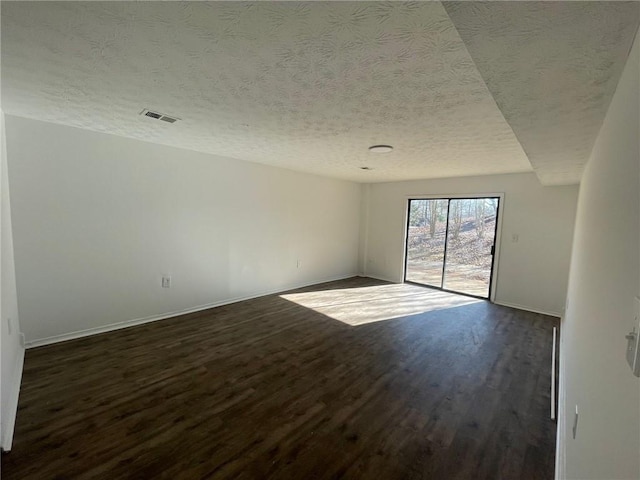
(320,240)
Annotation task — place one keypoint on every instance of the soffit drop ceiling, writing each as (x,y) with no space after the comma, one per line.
(552,68)
(305,86)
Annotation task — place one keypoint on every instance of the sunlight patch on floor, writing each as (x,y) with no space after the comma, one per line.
(358,306)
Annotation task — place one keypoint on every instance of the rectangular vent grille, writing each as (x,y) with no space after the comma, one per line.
(158,116)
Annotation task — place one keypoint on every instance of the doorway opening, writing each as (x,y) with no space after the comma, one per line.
(451,244)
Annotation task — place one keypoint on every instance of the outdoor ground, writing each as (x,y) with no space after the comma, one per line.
(468,260)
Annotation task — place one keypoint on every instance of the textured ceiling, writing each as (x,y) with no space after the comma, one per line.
(306,86)
(309,86)
(552,72)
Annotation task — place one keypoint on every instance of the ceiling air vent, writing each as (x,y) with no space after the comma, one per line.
(158,116)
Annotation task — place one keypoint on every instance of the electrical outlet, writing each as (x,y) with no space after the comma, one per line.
(298,263)
(515,237)
(166,281)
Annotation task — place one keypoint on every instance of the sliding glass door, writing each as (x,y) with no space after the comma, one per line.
(426,236)
(451,243)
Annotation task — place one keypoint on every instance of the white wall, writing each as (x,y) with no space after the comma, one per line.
(532,273)
(604,279)
(98,219)
(12,350)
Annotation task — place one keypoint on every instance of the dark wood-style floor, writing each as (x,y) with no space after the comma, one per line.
(268,388)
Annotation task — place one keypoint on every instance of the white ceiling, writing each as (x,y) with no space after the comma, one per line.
(553,72)
(309,86)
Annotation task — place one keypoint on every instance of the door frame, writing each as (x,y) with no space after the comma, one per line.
(493,282)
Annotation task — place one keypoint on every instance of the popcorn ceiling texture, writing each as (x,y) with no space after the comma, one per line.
(309,86)
(305,86)
(553,71)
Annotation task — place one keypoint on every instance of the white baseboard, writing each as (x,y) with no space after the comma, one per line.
(561,431)
(376,277)
(9,422)
(154,318)
(528,309)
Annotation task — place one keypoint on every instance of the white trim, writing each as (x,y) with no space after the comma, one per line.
(153,318)
(528,309)
(10,422)
(560,470)
(497,243)
(553,377)
(384,279)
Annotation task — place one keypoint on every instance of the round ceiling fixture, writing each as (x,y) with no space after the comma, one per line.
(380,148)
(366,168)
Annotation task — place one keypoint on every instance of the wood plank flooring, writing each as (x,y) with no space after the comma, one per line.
(268,388)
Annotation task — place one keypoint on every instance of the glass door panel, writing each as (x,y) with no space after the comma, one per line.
(470,245)
(426,237)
